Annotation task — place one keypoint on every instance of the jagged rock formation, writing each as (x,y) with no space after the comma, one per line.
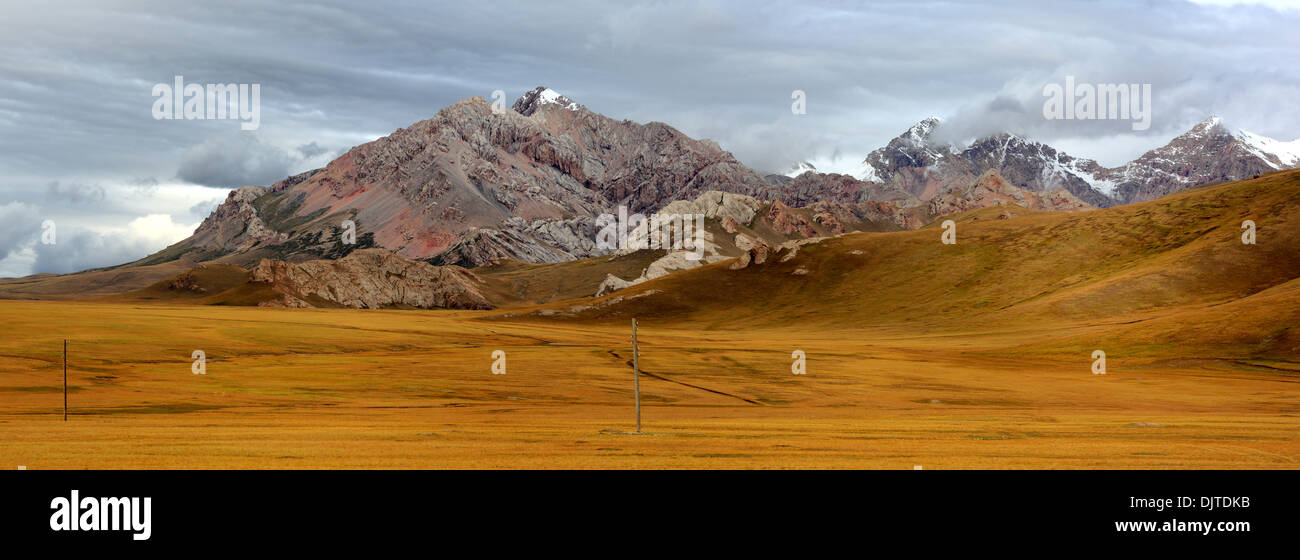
(917,164)
(235,224)
(371,279)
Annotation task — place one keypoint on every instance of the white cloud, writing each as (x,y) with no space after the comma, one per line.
(79,249)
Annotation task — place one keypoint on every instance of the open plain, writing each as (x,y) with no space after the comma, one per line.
(413,389)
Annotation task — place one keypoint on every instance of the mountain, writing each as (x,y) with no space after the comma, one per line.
(478,184)
(917,164)
(470,185)
(1208,153)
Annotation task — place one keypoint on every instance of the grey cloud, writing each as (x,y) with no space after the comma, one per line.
(713,69)
(204,209)
(19,225)
(232,161)
(78,249)
(311,150)
(73,193)
(143,185)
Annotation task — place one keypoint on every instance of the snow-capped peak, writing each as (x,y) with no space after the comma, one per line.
(542,95)
(1208,126)
(1277,154)
(920,132)
(800,169)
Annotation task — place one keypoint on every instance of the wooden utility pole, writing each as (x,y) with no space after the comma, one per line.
(636,376)
(65,380)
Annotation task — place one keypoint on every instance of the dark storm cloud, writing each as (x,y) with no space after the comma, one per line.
(76,78)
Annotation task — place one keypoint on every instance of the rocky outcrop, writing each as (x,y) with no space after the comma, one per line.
(371,279)
(763,253)
(754,255)
(991,189)
(185,282)
(235,225)
(788,221)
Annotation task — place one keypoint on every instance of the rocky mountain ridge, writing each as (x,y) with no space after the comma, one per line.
(917,164)
(475,185)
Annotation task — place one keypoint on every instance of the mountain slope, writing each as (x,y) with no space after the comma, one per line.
(1133,267)
(524,183)
(1210,152)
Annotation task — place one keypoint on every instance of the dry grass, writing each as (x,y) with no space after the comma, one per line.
(412,389)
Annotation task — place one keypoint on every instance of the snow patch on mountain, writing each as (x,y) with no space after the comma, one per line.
(550,96)
(800,169)
(1277,154)
(541,96)
(866,172)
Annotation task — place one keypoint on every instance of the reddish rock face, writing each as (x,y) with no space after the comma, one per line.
(787,221)
(730,225)
(423,190)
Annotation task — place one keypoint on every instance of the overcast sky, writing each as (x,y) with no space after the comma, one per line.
(80,146)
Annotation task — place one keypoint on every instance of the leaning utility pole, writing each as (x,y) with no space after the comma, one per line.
(636,376)
(65,380)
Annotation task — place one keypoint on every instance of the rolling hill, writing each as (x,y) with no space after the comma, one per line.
(1172,272)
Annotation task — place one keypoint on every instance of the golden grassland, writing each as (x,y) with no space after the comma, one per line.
(413,389)
(974,355)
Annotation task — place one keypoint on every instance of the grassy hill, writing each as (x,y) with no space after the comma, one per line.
(1168,272)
